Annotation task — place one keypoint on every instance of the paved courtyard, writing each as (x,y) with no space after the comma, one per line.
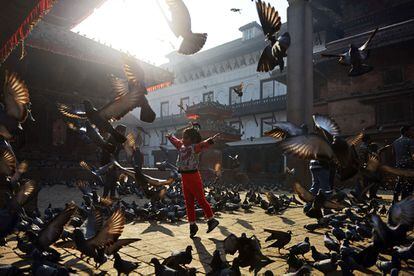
(159,239)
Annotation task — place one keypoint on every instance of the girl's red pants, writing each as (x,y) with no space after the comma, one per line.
(193,189)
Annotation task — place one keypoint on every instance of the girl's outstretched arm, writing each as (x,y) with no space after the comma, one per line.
(205,144)
(177,143)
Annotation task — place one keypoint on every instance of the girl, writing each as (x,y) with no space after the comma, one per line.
(189,149)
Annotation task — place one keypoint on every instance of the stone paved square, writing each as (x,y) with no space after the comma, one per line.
(159,239)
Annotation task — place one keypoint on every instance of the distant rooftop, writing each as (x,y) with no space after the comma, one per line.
(231,49)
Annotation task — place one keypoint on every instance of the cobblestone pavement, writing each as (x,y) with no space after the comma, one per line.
(159,239)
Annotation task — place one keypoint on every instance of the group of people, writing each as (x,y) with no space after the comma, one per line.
(323,173)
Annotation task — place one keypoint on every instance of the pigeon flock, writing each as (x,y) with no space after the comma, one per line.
(353,229)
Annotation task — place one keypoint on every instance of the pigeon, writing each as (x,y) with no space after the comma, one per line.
(54,228)
(328,265)
(338,233)
(15,107)
(385,236)
(368,256)
(8,162)
(283,130)
(9,215)
(331,244)
(163,270)
(180,24)
(301,248)
(307,197)
(355,57)
(402,212)
(325,144)
(405,253)
(282,238)
(123,266)
(179,258)
(294,262)
(275,52)
(93,134)
(386,266)
(317,256)
(220,267)
(239,89)
(129,95)
(107,236)
(373,165)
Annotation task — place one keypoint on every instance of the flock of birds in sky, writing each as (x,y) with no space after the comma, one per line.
(94,229)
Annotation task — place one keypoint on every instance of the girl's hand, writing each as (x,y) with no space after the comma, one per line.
(217,135)
(168,135)
(211,139)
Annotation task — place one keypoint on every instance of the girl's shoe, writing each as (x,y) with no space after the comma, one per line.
(193,230)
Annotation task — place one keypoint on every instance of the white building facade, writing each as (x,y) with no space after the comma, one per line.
(211,75)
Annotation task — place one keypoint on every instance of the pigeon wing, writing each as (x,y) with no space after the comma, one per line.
(307,147)
(180,17)
(16,97)
(269,18)
(110,232)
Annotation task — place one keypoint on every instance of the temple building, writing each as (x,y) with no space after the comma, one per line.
(60,66)
(381,101)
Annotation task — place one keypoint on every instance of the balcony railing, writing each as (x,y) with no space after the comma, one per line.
(261,106)
(267,105)
(169,121)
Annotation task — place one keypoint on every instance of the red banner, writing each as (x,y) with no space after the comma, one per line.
(159,86)
(42,7)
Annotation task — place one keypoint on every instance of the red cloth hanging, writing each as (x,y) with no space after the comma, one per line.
(40,9)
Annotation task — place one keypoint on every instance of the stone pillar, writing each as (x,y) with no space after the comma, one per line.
(300,62)
(300,74)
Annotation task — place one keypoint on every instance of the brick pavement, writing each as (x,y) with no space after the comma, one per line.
(159,239)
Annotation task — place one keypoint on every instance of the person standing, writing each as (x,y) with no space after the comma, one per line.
(322,177)
(403,150)
(189,149)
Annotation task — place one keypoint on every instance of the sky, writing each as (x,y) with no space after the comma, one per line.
(139,26)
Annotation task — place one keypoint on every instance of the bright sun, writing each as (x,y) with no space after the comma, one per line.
(131,22)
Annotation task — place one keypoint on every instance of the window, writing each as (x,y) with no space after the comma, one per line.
(163,138)
(165,109)
(184,103)
(272,88)
(233,97)
(248,34)
(266,125)
(208,97)
(236,125)
(146,139)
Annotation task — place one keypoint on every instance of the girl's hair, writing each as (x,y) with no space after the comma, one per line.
(193,134)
